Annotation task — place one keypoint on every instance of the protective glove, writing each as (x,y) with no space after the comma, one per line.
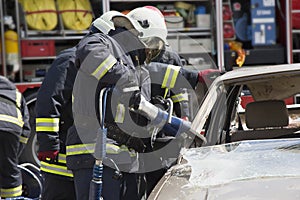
(160,102)
(44,155)
(122,138)
(185,118)
(136,143)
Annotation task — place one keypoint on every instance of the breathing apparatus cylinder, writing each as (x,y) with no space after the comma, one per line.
(12,49)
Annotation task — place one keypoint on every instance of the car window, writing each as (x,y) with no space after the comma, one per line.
(268,121)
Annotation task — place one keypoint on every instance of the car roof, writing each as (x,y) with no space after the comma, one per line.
(255,72)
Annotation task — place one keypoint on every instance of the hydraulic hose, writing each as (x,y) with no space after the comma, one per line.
(40,14)
(76,14)
(100,151)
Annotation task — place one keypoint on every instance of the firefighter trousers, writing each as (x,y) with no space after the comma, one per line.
(124,189)
(10,174)
(57,187)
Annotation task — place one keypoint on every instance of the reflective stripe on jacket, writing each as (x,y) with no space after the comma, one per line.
(11,192)
(14,115)
(167,82)
(120,154)
(59,168)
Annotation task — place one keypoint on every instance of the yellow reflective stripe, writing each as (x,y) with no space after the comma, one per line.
(166,92)
(78,149)
(170,76)
(18,109)
(104,67)
(47,124)
(18,98)
(62,158)
(120,113)
(55,169)
(23,139)
(131,89)
(114,149)
(180,97)
(11,119)
(11,192)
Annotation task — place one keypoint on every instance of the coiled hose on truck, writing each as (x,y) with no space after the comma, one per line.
(76,14)
(40,14)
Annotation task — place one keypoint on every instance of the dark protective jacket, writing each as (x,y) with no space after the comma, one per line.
(103,64)
(14,115)
(14,133)
(170,80)
(54,111)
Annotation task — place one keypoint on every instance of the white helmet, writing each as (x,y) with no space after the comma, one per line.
(102,25)
(105,22)
(150,22)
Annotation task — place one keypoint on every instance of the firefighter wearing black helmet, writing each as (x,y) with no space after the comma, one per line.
(53,119)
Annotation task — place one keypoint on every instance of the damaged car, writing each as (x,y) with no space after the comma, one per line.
(250,149)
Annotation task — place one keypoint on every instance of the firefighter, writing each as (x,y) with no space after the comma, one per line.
(98,52)
(14,133)
(53,119)
(169,80)
(103,63)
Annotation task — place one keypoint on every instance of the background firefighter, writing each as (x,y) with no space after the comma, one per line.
(14,133)
(53,119)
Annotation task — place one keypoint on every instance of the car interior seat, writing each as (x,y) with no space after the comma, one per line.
(264,120)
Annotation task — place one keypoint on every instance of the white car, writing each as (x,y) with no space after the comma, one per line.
(252,149)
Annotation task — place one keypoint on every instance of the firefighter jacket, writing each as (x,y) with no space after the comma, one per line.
(168,56)
(102,64)
(14,115)
(54,111)
(170,80)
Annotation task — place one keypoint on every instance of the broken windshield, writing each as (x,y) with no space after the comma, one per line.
(221,164)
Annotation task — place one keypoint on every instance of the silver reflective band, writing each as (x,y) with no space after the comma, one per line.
(47,124)
(80,149)
(104,67)
(11,119)
(131,89)
(56,169)
(180,97)
(120,113)
(170,76)
(11,192)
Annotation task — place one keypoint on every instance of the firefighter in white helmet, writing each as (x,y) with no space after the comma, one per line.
(53,120)
(107,62)
(169,80)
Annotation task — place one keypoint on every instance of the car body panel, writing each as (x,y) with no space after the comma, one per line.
(248,169)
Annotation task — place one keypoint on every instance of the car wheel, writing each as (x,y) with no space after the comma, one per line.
(29,154)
